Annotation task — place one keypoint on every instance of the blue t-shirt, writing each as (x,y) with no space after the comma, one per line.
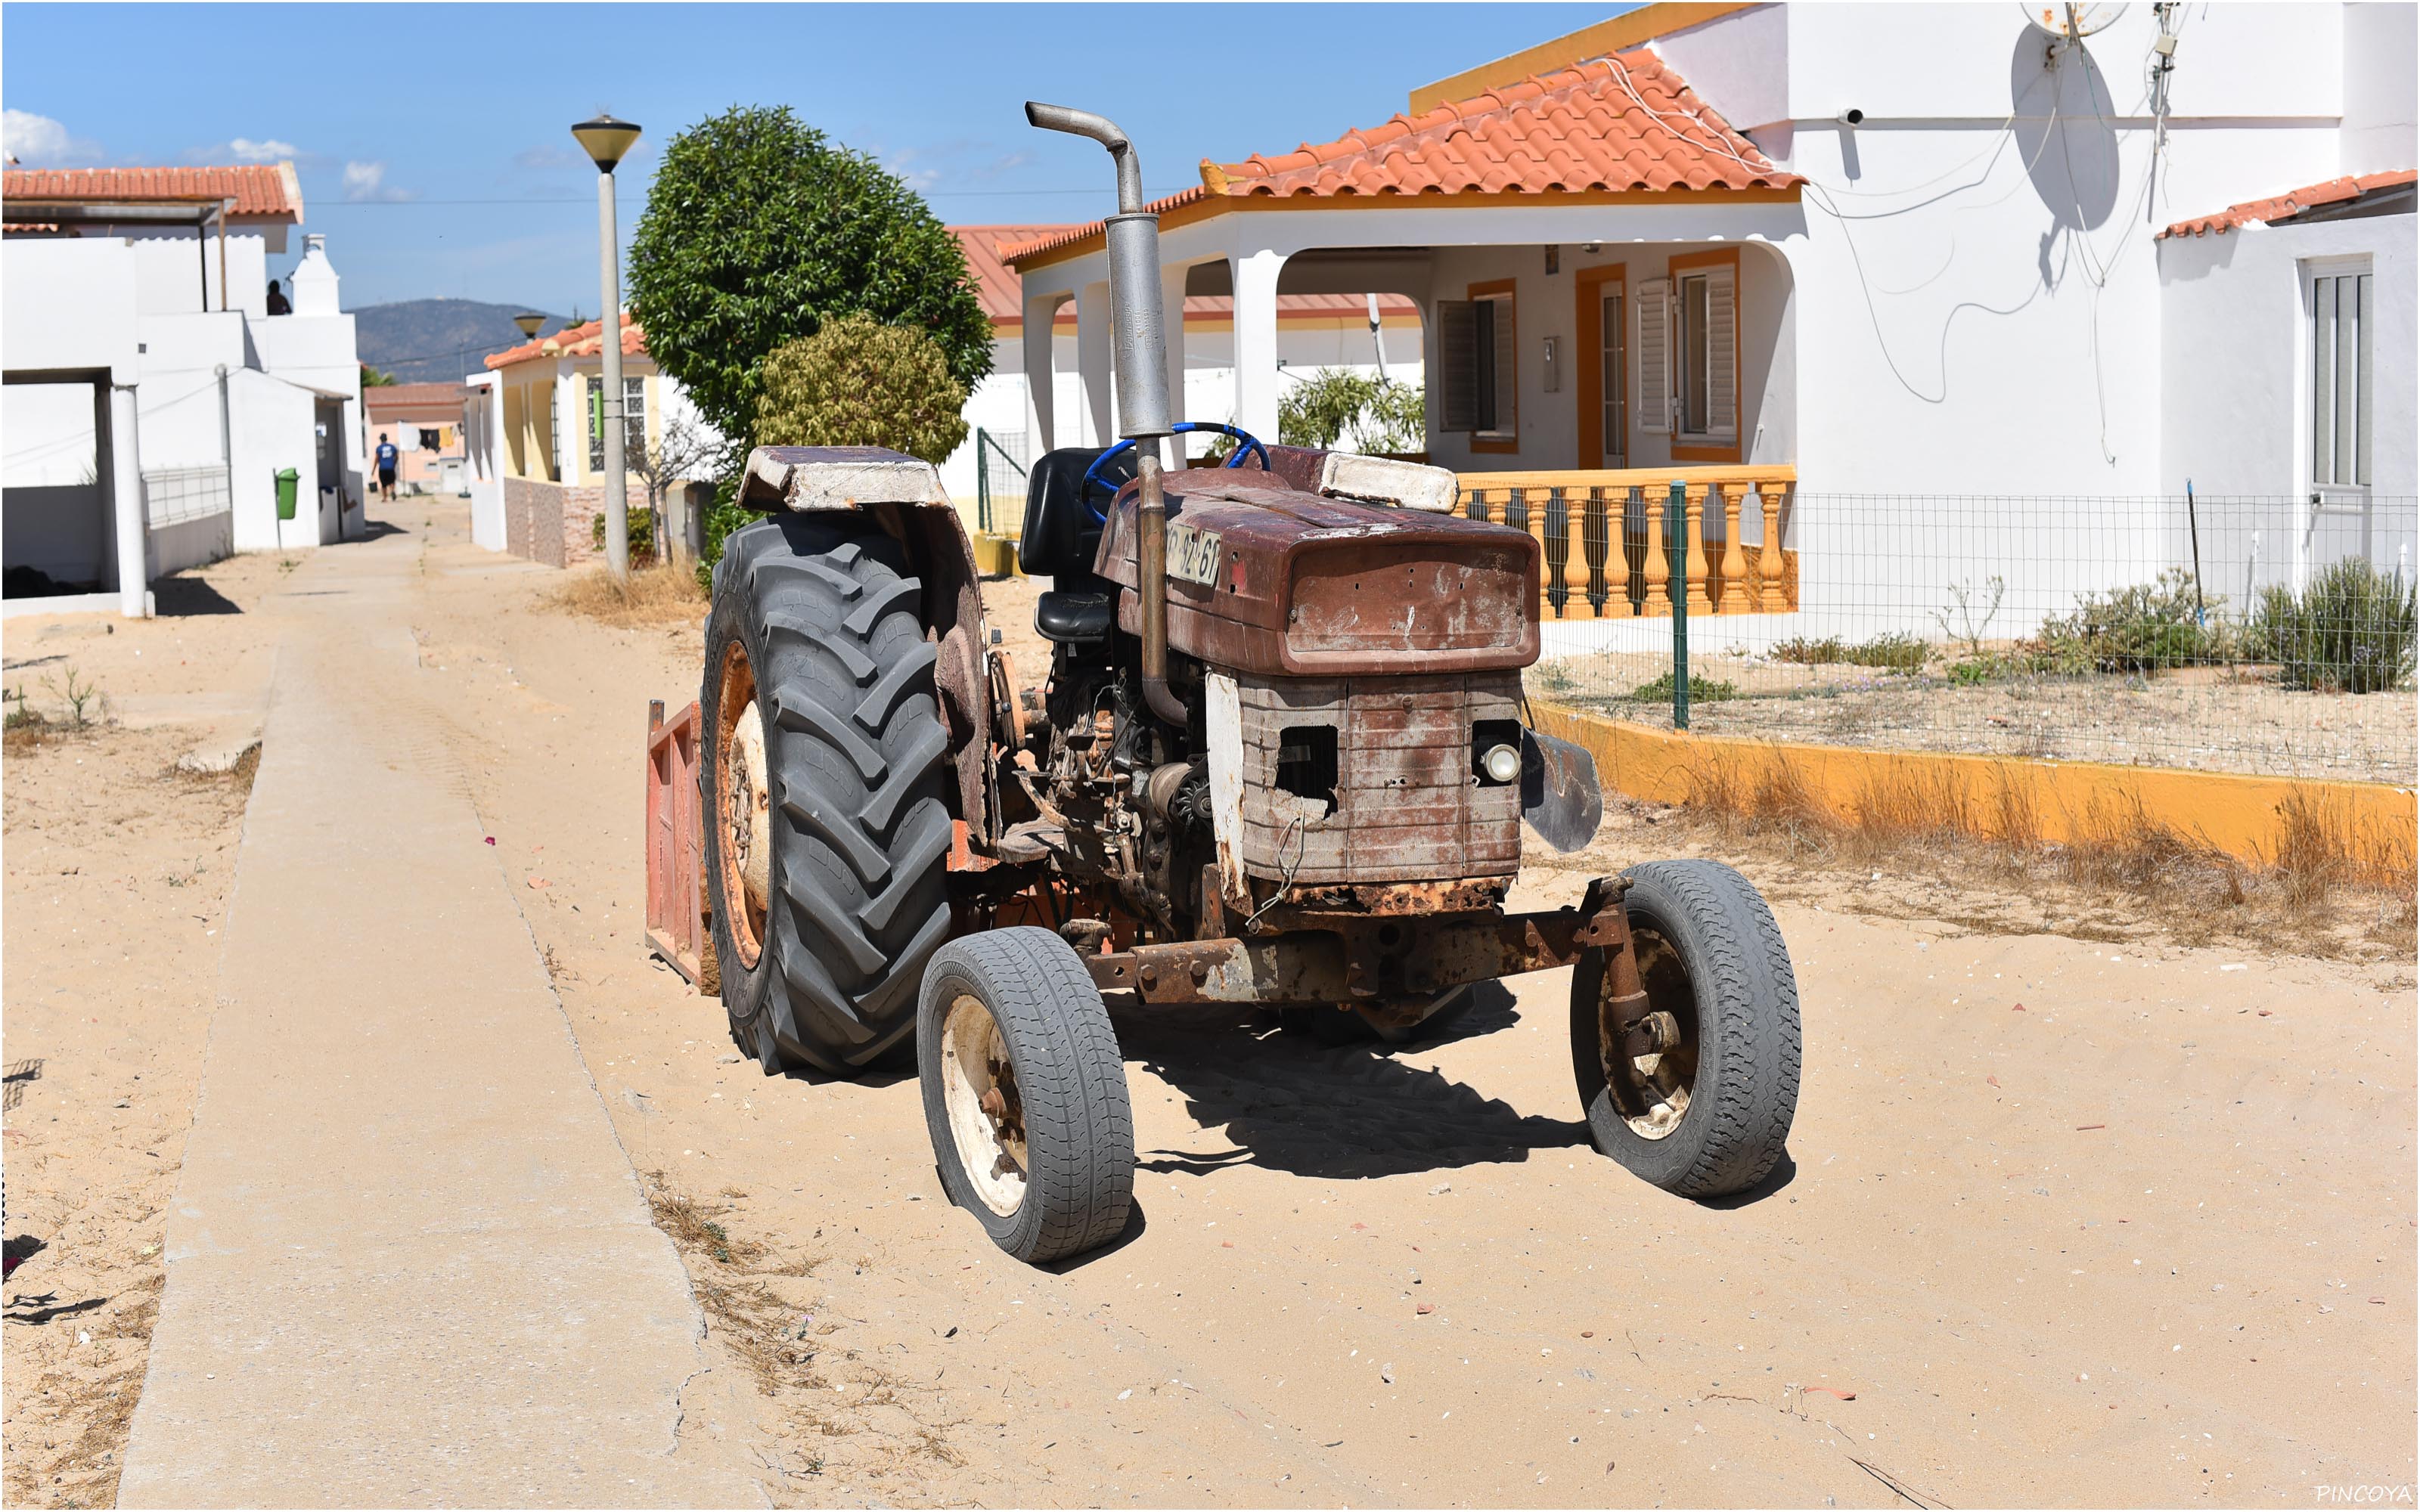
(387,455)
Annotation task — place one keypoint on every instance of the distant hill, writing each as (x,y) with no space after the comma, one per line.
(437,341)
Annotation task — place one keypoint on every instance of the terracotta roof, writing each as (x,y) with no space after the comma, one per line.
(257,188)
(1611,124)
(2293,202)
(392,396)
(584,340)
(995,284)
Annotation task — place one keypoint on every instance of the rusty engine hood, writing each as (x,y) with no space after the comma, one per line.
(1305,585)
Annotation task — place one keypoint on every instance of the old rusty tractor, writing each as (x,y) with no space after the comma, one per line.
(1281,758)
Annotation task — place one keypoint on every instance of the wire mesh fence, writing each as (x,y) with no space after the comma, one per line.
(2264,635)
(1000,465)
(174,495)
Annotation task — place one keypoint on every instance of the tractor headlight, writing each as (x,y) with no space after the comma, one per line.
(1502,763)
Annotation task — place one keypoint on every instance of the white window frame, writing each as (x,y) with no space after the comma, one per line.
(1612,359)
(2327,426)
(1722,400)
(634,419)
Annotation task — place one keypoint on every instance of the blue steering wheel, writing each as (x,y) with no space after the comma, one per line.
(1093,478)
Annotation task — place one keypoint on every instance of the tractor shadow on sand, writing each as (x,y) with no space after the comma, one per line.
(1347,1113)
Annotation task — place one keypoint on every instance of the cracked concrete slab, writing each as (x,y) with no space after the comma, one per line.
(408,1263)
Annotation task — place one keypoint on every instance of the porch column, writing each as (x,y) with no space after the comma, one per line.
(133,533)
(1172,318)
(1041,378)
(1092,348)
(1256,342)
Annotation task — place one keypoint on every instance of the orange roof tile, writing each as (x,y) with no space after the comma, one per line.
(2293,202)
(1611,124)
(257,188)
(995,284)
(586,339)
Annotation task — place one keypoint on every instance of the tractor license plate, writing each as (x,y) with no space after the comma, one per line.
(1193,555)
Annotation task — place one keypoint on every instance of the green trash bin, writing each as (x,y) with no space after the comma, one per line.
(288,480)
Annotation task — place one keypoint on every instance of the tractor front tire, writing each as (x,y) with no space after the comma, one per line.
(1707,1115)
(825,794)
(1025,1093)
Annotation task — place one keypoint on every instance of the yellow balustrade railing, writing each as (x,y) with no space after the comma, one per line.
(1607,550)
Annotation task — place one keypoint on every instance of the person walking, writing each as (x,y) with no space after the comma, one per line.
(387,457)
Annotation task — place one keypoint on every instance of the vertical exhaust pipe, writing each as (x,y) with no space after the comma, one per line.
(1140,345)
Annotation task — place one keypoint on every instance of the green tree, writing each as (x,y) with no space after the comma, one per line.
(857,382)
(758,229)
(1367,413)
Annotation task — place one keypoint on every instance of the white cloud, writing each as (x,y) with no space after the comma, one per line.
(917,179)
(549,156)
(39,142)
(244,149)
(367,181)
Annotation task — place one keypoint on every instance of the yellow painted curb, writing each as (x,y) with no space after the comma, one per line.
(995,555)
(2254,819)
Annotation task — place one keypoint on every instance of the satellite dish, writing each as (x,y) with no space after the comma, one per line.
(2072,22)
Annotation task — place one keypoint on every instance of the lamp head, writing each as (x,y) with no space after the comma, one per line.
(529,320)
(607,140)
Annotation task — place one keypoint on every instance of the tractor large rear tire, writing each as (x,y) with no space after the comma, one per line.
(815,648)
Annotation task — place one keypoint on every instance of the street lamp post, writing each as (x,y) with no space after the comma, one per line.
(608,141)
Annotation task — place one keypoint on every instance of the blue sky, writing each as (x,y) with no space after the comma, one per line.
(433,146)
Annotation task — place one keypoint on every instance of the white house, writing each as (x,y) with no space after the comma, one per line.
(1805,257)
(1346,331)
(152,399)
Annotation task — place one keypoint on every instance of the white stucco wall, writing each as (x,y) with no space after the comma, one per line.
(2379,44)
(68,304)
(272,427)
(483,448)
(2236,350)
(1546,304)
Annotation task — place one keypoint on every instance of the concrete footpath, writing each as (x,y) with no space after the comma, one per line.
(408,1263)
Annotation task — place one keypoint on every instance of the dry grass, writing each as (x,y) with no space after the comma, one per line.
(651,598)
(2333,888)
(759,1325)
(757,1311)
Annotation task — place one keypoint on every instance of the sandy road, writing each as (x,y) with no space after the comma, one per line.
(2175,1306)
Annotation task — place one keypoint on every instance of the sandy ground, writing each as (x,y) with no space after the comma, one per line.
(117,878)
(2205,718)
(2148,1238)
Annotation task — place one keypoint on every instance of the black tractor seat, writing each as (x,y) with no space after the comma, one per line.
(1059,538)
(1075,616)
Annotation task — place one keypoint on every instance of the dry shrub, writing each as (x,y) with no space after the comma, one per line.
(2332,878)
(650,597)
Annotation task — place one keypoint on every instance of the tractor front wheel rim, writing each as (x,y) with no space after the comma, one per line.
(986,1114)
(742,805)
(1651,1091)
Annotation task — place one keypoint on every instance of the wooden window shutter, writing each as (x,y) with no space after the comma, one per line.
(1722,354)
(1508,371)
(1457,366)
(1655,396)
